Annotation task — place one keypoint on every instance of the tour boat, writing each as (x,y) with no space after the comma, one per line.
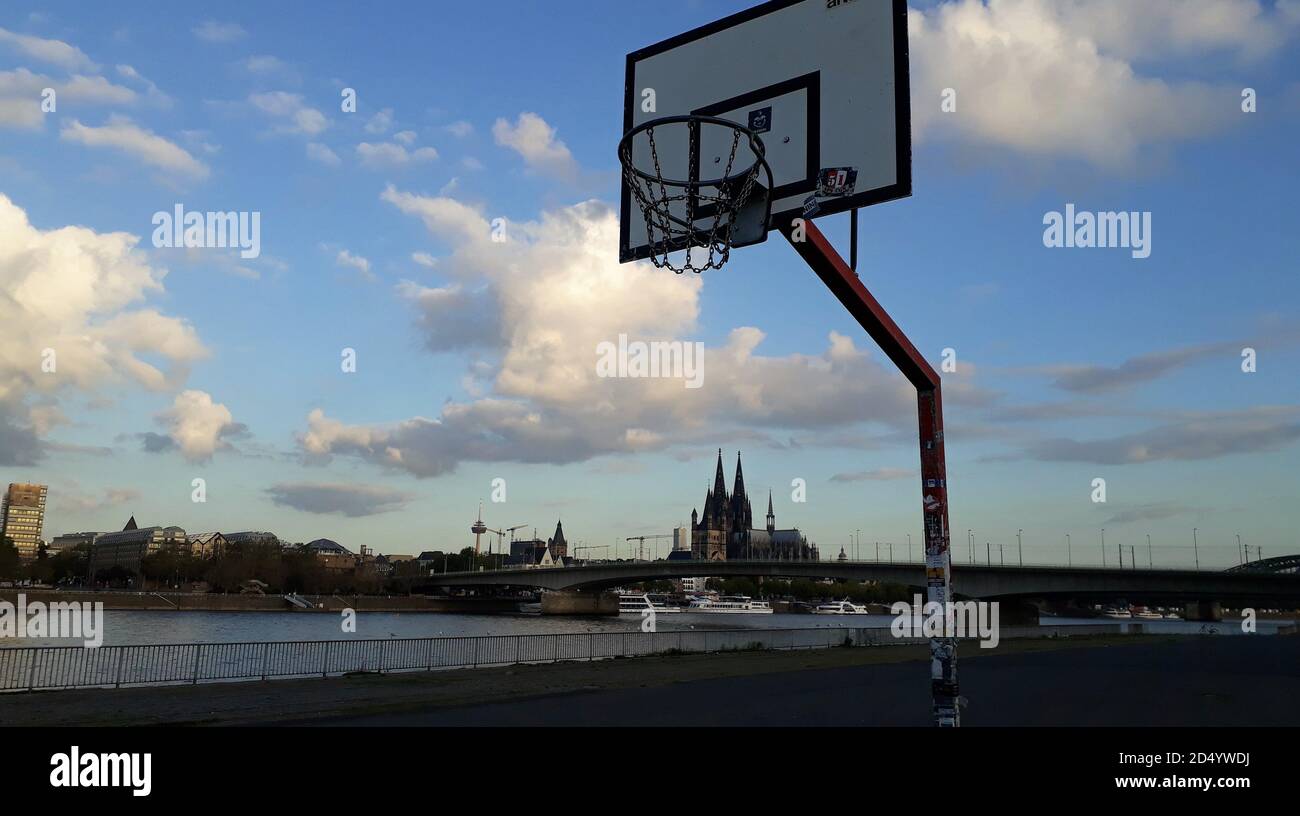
(844,607)
(1115,612)
(634,603)
(731,605)
(1146,614)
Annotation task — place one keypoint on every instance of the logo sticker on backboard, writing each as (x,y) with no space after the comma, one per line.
(836,181)
(760,121)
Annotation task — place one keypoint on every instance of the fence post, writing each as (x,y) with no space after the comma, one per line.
(198,651)
(264,651)
(555,648)
(117,682)
(31,670)
(476,652)
(325,661)
(382,643)
(517,639)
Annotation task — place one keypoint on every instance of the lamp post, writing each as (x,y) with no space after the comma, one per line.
(970,544)
(1103,547)
(1196,551)
(1240,551)
(1021,546)
(1150,561)
(1069,559)
(909,546)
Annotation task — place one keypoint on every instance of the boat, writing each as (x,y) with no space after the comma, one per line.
(634,603)
(1117,612)
(1146,614)
(844,607)
(731,605)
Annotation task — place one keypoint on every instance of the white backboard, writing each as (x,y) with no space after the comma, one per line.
(824,81)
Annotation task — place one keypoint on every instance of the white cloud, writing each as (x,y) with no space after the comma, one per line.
(539,304)
(388,154)
(20,113)
(533,139)
(145,145)
(218,32)
(362,265)
(380,122)
(320,153)
(196,424)
(425,259)
(1057,79)
(295,115)
(76,292)
(53,52)
(406,137)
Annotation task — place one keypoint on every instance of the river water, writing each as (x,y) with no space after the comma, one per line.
(129,627)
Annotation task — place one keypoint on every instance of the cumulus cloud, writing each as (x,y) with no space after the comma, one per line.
(196,425)
(146,146)
(390,154)
(1059,78)
(340,499)
(459,129)
(73,498)
(380,122)
(292,114)
(357,262)
(538,304)
(320,153)
(533,139)
(72,296)
(53,52)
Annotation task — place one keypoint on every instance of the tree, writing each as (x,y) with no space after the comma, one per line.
(10,563)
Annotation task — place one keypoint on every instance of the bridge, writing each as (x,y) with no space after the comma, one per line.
(978,581)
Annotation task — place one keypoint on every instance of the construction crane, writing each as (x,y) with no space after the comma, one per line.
(501,534)
(640,554)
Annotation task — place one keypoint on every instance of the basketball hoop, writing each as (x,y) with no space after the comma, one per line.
(730,210)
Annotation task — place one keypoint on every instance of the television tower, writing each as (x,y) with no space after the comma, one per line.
(478,528)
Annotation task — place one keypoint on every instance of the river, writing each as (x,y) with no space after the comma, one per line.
(130,627)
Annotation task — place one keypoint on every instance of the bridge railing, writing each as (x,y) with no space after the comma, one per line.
(64,667)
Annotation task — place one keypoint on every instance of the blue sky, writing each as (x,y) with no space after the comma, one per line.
(1073,364)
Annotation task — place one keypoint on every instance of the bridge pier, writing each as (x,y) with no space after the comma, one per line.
(1203,611)
(577,602)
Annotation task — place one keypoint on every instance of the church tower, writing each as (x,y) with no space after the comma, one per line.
(771,517)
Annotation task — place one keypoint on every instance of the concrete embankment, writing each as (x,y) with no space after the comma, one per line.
(213,602)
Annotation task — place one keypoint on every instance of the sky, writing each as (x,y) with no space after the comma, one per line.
(475,359)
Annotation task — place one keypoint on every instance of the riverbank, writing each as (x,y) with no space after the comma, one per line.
(393,695)
(214,602)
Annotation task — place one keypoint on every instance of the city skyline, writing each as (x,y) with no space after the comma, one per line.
(477,360)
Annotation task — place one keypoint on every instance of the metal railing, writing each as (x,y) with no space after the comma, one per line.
(64,667)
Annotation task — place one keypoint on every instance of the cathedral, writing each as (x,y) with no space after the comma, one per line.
(725,530)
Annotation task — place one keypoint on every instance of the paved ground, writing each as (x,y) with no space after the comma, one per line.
(1094,681)
(1202,681)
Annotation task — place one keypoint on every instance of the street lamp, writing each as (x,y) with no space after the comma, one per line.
(1103,547)
(1240,551)
(1069,559)
(1021,546)
(1150,561)
(1196,549)
(909,546)
(970,544)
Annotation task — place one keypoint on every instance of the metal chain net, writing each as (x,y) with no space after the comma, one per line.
(665,235)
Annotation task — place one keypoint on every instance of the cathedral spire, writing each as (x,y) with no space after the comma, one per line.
(771,517)
(720,483)
(739,491)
